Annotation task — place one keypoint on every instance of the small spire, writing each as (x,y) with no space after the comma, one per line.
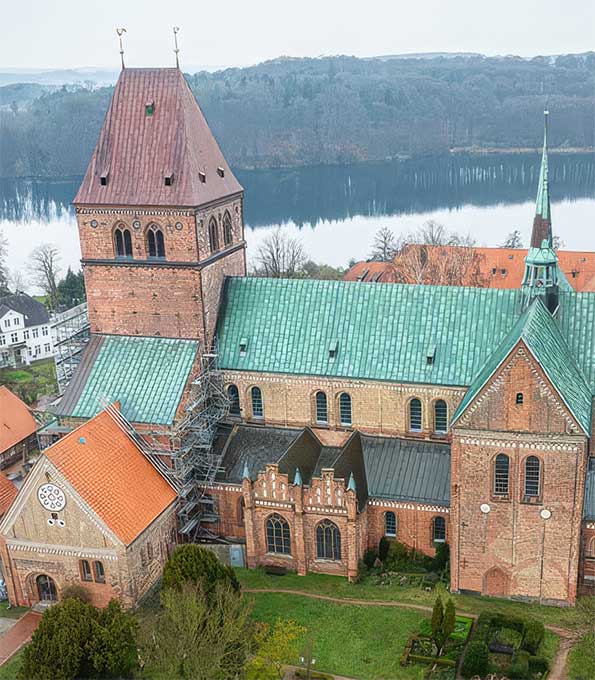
(176,49)
(120,32)
(542,224)
(297,480)
(351,486)
(246,473)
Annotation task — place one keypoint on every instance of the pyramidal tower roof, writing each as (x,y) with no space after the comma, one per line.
(155,147)
(542,223)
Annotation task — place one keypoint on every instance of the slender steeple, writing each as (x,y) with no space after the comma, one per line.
(542,223)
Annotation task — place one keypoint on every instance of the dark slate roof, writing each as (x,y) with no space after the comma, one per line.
(351,462)
(402,469)
(327,458)
(256,446)
(146,375)
(33,311)
(136,150)
(589,507)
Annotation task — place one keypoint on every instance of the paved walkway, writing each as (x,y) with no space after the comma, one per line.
(18,635)
(557,671)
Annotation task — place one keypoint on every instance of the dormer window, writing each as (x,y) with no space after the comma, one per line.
(169,179)
(103,179)
(333,349)
(202,176)
(431,355)
(149,108)
(243,347)
(221,171)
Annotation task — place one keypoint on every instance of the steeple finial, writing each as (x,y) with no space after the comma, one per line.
(351,486)
(120,32)
(297,480)
(542,223)
(246,473)
(176,49)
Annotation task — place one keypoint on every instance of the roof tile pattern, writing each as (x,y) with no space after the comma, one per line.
(136,151)
(34,312)
(8,492)
(110,473)
(16,420)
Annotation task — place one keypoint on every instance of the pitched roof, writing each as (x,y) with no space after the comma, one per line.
(111,475)
(383,331)
(136,151)
(408,470)
(34,312)
(8,492)
(540,333)
(499,268)
(16,420)
(146,375)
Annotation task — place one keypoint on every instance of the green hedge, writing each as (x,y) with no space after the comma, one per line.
(476,661)
(534,632)
(519,668)
(438,660)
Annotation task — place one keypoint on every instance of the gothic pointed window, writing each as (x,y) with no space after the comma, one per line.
(390,524)
(415,419)
(227,229)
(155,242)
(501,475)
(278,537)
(321,408)
(345,409)
(123,242)
(532,476)
(257,405)
(233,394)
(440,417)
(213,235)
(439,530)
(328,541)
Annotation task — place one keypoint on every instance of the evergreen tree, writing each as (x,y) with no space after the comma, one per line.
(437,620)
(513,240)
(192,564)
(71,289)
(449,621)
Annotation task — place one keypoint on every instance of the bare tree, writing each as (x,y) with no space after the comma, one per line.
(4,290)
(17,282)
(280,256)
(513,240)
(44,267)
(558,243)
(384,246)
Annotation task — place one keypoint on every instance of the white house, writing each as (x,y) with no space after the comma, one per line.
(24,331)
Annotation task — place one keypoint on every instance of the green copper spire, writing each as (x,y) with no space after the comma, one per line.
(542,224)
(297,480)
(246,473)
(351,486)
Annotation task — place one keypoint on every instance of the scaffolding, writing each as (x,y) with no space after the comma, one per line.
(70,332)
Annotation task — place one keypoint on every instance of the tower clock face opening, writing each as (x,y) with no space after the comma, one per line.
(51,497)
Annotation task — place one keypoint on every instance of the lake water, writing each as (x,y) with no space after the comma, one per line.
(335,211)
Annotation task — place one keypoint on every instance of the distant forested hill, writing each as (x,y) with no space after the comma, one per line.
(332,110)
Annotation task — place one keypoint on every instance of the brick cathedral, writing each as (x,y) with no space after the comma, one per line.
(427,414)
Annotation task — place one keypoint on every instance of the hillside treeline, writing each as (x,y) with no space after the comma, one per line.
(333,110)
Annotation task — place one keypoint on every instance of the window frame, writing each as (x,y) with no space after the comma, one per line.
(435,520)
(122,238)
(390,514)
(213,232)
(85,571)
(536,483)
(154,242)
(320,408)
(227,229)
(345,402)
(256,390)
(328,541)
(498,476)
(437,431)
(98,573)
(277,535)
(234,399)
(410,427)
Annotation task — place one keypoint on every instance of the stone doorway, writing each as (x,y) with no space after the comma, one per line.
(46,589)
(496,583)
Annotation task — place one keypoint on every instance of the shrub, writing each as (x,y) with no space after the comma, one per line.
(77,592)
(519,668)
(398,555)
(192,564)
(383,548)
(534,632)
(504,621)
(537,664)
(476,661)
(441,558)
(369,558)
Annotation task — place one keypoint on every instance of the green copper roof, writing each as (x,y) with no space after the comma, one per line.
(543,338)
(147,376)
(576,319)
(542,206)
(542,256)
(381,331)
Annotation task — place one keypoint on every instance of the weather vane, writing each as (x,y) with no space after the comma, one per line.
(176,49)
(120,32)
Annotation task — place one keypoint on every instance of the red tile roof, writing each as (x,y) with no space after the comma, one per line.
(499,267)
(16,421)
(136,151)
(8,492)
(111,474)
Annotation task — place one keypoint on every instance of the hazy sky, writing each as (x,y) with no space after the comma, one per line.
(74,33)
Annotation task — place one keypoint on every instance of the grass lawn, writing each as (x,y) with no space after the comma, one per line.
(337,586)
(12,612)
(11,667)
(357,641)
(31,382)
(581,660)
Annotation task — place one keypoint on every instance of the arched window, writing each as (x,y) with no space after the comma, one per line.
(440,417)
(233,394)
(227,230)
(328,541)
(257,407)
(501,474)
(213,235)
(415,415)
(390,524)
(439,529)
(123,241)
(532,476)
(321,408)
(155,242)
(345,409)
(278,539)
(99,572)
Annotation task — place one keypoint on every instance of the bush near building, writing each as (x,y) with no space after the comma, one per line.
(192,564)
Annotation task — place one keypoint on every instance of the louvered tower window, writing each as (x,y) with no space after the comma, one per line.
(321,408)
(440,417)
(345,409)
(415,415)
